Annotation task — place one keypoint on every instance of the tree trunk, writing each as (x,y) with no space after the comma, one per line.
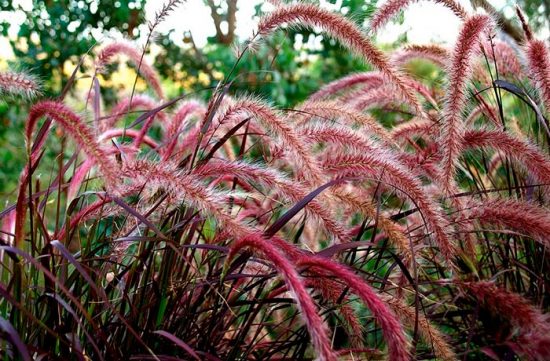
(507,26)
(230,17)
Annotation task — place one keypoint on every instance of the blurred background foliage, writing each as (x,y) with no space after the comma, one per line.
(58,31)
(287,68)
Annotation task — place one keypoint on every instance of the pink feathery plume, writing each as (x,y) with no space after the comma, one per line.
(367,99)
(371,165)
(368,79)
(423,163)
(490,112)
(189,140)
(414,128)
(130,133)
(531,326)
(224,120)
(460,71)
(538,60)
(8,228)
(187,188)
(523,217)
(392,7)
(434,53)
(340,135)
(526,28)
(314,323)
(81,172)
(495,162)
(270,120)
(227,179)
(481,73)
(391,327)
(216,130)
(347,33)
(355,202)
(78,178)
(80,132)
(271,179)
(483,110)
(506,59)
(431,335)
(328,110)
(149,74)
(178,121)
(17,83)
(335,292)
(525,153)
(424,91)
(83,136)
(122,108)
(81,216)
(345,137)
(142,133)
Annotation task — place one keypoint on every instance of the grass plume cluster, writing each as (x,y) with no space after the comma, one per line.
(384,217)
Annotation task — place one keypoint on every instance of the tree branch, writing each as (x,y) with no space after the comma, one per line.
(506,24)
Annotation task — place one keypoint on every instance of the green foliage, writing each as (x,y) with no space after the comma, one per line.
(538,12)
(291,66)
(12,150)
(56,31)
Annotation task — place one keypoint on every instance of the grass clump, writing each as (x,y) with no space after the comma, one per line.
(232,230)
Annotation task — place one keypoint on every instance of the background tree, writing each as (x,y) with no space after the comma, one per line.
(57,31)
(538,12)
(287,68)
(221,18)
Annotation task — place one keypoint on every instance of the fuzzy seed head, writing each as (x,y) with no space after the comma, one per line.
(19,84)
